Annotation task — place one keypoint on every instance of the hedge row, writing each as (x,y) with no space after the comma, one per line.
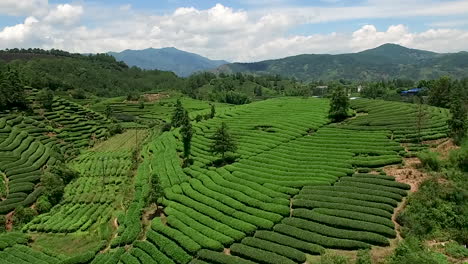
(352,189)
(315,238)
(377,187)
(285,251)
(348,201)
(154,252)
(259,255)
(356,216)
(356,196)
(345,223)
(201,228)
(205,220)
(242,226)
(217,203)
(382,182)
(290,242)
(219,258)
(325,230)
(168,247)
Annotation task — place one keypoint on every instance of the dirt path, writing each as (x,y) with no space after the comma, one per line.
(9,221)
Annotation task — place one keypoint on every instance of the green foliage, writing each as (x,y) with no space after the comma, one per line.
(363,257)
(430,160)
(411,251)
(339,105)
(456,250)
(259,255)
(11,90)
(114,129)
(458,123)
(459,157)
(23,215)
(330,258)
(53,187)
(437,210)
(187,132)
(212,111)
(223,141)
(439,94)
(43,205)
(179,114)
(45,98)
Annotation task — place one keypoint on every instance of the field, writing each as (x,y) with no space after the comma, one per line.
(296,186)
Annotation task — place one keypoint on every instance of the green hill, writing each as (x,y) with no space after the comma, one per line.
(167,59)
(388,61)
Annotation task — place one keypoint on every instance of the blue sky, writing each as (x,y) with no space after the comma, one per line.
(245,30)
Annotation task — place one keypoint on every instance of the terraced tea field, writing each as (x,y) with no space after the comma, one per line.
(292,190)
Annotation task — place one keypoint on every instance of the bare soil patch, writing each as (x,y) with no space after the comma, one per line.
(408,173)
(9,221)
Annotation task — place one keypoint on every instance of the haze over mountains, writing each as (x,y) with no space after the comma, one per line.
(384,62)
(180,62)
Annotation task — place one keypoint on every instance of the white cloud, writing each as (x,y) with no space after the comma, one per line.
(23,7)
(64,15)
(221,32)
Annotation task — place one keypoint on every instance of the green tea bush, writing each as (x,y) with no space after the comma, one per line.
(259,255)
(279,249)
(430,160)
(289,241)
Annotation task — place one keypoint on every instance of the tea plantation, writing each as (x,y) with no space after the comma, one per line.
(294,187)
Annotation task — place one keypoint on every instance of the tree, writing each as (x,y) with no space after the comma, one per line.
(421,115)
(46,98)
(339,105)
(223,141)
(213,111)
(439,94)
(53,187)
(108,111)
(11,91)
(458,123)
(187,132)
(178,115)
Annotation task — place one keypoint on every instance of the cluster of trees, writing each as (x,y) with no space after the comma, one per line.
(11,90)
(223,141)
(238,88)
(83,75)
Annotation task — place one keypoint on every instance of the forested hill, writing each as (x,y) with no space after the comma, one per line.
(99,74)
(389,61)
(180,62)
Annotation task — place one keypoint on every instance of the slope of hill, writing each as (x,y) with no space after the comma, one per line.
(167,59)
(388,61)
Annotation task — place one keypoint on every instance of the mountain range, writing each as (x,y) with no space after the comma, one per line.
(388,61)
(180,62)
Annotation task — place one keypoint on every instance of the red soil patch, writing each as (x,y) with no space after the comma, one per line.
(149,98)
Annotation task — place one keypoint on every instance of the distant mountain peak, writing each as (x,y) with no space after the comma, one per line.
(168,59)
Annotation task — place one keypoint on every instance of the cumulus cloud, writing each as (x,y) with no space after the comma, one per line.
(23,7)
(221,32)
(64,15)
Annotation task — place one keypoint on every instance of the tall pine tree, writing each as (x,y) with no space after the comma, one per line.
(223,141)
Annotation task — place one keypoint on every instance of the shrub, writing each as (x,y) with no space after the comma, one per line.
(24,214)
(430,160)
(363,257)
(43,205)
(330,258)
